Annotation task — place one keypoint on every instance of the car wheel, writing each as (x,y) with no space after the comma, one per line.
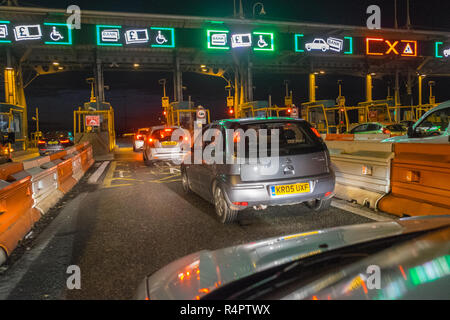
(224,213)
(308,48)
(319,205)
(185,182)
(324,49)
(147,162)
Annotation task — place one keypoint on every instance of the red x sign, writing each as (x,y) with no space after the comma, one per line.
(381,47)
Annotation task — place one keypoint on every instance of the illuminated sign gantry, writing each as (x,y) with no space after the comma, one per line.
(442,50)
(50,33)
(382,47)
(109,35)
(224,40)
(324,45)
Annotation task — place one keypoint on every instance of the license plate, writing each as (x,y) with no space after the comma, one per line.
(53,142)
(169,143)
(290,189)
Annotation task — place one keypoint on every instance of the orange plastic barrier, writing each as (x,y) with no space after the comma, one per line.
(8,169)
(17,214)
(420,180)
(65,179)
(340,137)
(58,155)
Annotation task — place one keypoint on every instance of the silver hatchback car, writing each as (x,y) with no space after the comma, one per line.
(303,172)
(159,145)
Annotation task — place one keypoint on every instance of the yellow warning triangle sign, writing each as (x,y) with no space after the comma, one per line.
(408,49)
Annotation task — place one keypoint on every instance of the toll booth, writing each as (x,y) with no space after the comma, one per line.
(261,109)
(324,115)
(183,114)
(11,120)
(96,126)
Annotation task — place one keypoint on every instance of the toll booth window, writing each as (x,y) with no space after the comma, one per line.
(435,122)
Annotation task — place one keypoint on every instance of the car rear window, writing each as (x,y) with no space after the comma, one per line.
(163,134)
(295,137)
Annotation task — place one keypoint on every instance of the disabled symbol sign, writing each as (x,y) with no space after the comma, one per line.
(162,37)
(57,33)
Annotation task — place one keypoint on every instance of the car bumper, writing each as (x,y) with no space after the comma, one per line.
(258,193)
(168,156)
(50,149)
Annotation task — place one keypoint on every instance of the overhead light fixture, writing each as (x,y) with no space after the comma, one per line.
(202,66)
(322,72)
(204,70)
(55,63)
(60,68)
(373,74)
(136,65)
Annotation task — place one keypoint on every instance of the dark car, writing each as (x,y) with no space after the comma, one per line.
(54,141)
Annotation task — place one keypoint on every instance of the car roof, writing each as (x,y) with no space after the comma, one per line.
(443,105)
(164,127)
(255,120)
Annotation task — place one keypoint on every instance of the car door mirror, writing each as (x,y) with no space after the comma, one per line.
(411,132)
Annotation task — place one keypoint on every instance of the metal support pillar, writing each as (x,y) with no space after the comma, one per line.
(312,87)
(420,89)
(177,81)
(369,87)
(236,92)
(249,81)
(99,83)
(397,88)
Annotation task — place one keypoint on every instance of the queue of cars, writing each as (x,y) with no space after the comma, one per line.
(395,259)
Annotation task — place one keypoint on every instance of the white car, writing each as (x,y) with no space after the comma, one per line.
(432,127)
(317,44)
(447,52)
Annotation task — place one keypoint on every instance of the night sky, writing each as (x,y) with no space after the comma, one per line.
(135,95)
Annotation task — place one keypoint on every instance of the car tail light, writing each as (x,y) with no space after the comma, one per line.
(64,141)
(41,142)
(328,193)
(151,142)
(315,132)
(386,131)
(139,137)
(244,204)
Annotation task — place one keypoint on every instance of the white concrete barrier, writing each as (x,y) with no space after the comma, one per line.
(362,169)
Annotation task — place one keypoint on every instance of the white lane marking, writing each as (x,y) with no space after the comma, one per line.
(174,170)
(367,213)
(98,172)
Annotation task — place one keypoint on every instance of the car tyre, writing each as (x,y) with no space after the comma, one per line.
(147,162)
(185,182)
(319,205)
(223,211)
